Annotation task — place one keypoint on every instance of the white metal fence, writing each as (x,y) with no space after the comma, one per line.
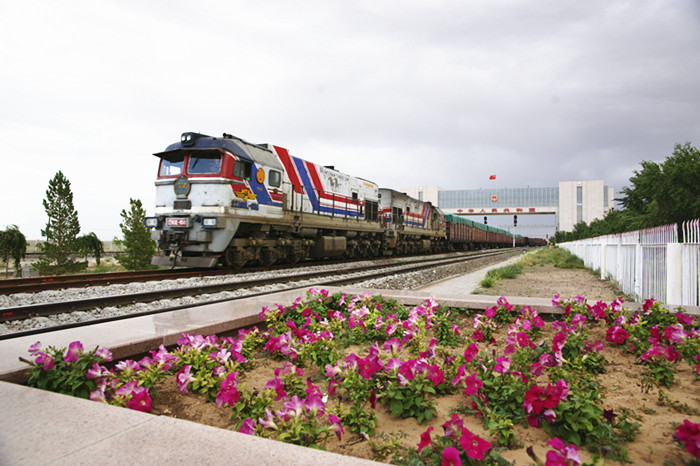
(648,263)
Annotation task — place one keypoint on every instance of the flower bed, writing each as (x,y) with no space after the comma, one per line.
(367,377)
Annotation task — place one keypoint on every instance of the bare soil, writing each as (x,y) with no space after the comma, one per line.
(621,388)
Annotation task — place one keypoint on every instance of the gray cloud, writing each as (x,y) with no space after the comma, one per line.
(402,93)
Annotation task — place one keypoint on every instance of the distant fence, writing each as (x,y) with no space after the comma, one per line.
(648,263)
(109,246)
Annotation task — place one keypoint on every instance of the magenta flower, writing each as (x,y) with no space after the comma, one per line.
(555,301)
(473,445)
(294,407)
(140,400)
(106,354)
(46,360)
(453,427)
(247,427)
(73,352)
(425,439)
(562,454)
(335,425)
(127,365)
(392,346)
(269,421)
(617,335)
(688,434)
(472,385)
(99,394)
(537,398)
(96,371)
(184,378)
(228,394)
(35,349)
(314,404)
(471,352)
(450,457)
(502,365)
(372,398)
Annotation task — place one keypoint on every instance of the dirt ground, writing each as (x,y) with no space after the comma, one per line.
(621,388)
(545,281)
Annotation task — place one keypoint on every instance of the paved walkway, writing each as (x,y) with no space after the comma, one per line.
(465,284)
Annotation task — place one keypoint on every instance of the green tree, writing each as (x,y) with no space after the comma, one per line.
(13,244)
(61,230)
(90,244)
(139,248)
(665,193)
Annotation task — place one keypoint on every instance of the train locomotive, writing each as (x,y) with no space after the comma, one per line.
(225,201)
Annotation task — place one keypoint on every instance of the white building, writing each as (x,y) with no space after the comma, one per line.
(572,201)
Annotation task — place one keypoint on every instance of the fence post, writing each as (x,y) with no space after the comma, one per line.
(638,270)
(674,274)
(603,260)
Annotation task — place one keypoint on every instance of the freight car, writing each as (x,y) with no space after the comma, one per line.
(465,234)
(227,201)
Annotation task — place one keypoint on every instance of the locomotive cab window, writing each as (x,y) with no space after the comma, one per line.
(172,165)
(275,178)
(243,170)
(200,164)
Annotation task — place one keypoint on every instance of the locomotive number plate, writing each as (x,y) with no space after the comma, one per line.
(177,222)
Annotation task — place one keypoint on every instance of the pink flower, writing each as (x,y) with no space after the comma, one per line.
(450,457)
(688,434)
(335,425)
(105,354)
(555,301)
(425,439)
(502,365)
(247,427)
(453,427)
(46,360)
(472,385)
(616,334)
(471,352)
(35,349)
(268,422)
(140,400)
(73,352)
(228,394)
(184,378)
(96,371)
(473,445)
(562,454)
(537,398)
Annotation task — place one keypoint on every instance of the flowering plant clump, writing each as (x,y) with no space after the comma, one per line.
(335,360)
(64,370)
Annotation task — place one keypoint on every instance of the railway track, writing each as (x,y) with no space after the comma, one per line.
(342,276)
(61,282)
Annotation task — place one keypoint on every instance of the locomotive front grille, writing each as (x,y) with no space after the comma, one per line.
(182,204)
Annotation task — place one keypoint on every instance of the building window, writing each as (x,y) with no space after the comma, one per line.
(420,195)
(579,204)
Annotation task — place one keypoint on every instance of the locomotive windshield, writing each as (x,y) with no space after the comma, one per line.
(172,165)
(205,163)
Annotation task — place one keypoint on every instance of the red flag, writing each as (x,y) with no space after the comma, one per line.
(492,177)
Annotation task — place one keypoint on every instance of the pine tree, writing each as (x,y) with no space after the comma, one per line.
(61,230)
(139,248)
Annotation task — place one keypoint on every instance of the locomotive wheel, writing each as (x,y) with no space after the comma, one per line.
(234,258)
(268,256)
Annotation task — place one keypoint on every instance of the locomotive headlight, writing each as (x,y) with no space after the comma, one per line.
(209,222)
(150,222)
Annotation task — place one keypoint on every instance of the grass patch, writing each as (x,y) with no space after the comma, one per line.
(509,271)
(557,257)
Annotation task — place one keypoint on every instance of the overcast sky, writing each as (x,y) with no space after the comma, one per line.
(403,93)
